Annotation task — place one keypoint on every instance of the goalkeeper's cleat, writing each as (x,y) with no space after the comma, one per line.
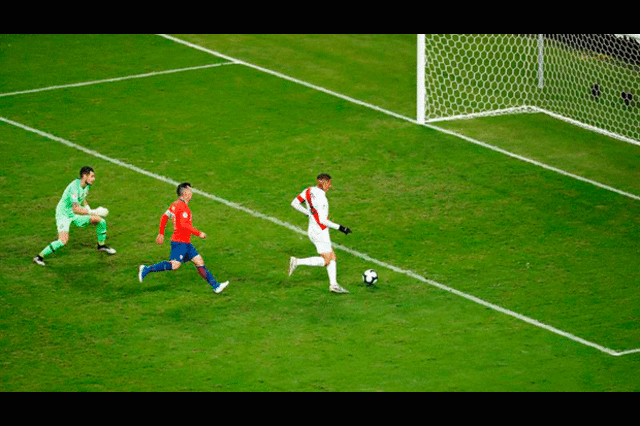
(292,265)
(337,289)
(39,260)
(142,273)
(221,287)
(105,248)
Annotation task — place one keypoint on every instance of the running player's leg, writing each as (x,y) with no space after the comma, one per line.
(330,259)
(325,250)
(178,250)
(331,265)
(63,224)
(326,258)
(294,262)
(206,275)
(320,241)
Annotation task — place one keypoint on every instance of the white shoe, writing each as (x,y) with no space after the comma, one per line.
(292,265)
(39,260)
(106,249)
(221,287)
(140,269)
(337,289)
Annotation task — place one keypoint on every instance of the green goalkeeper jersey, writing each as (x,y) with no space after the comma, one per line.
(74,193)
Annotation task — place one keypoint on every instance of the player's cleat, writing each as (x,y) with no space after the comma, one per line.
(221,287)
(292,265)
(105,248)
(141,273)
(337,289)
(39,260)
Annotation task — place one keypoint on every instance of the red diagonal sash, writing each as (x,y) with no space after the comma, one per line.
(314,212)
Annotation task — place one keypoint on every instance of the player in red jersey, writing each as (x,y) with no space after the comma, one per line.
(181,248)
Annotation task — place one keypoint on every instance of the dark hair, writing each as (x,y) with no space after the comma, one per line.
(85,171)
(181,187)
(323,176)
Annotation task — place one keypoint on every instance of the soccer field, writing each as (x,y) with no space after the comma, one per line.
(507,247)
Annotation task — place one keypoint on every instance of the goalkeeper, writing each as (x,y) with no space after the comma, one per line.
(73,209)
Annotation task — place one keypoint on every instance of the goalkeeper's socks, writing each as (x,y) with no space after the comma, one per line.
(101,231)
(159,267)
(206,275)
(51,248)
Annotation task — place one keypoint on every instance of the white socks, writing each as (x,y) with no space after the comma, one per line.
(319,261)
(311,261)
(331,270)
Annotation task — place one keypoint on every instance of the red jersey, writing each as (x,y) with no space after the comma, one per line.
(180,213)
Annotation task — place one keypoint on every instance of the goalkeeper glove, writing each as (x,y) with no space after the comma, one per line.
(100,211)
(344,229)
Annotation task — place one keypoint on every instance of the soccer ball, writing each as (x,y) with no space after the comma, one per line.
(370,277)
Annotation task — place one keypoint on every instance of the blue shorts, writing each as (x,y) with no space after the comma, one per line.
(182,252)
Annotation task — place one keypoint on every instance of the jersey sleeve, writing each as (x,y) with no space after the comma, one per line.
(163,222)
(73,195)
(169,214)
(297,204)
(326,222)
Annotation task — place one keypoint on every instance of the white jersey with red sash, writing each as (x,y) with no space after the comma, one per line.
(318,209)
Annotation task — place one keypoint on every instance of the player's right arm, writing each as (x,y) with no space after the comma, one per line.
(297,204)
(163,224)
(78,209)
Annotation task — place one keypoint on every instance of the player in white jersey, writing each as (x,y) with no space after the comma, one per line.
(317,209)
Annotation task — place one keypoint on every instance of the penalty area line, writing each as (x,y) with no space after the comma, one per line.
(298,230)
(113,80)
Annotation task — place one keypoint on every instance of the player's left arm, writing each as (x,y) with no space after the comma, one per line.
(184,224)
(326,222)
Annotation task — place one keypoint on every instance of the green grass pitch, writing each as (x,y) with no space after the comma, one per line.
(536,243)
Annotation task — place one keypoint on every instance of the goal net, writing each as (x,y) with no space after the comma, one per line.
(591,80)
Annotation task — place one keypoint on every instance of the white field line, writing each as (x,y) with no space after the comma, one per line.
(338,246)
(396,115)
(112,80)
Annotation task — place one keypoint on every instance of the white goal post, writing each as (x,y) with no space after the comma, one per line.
(590,80)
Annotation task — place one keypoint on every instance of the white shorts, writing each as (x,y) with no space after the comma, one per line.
(322,241)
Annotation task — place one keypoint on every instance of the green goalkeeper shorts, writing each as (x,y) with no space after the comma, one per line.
(64,222)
